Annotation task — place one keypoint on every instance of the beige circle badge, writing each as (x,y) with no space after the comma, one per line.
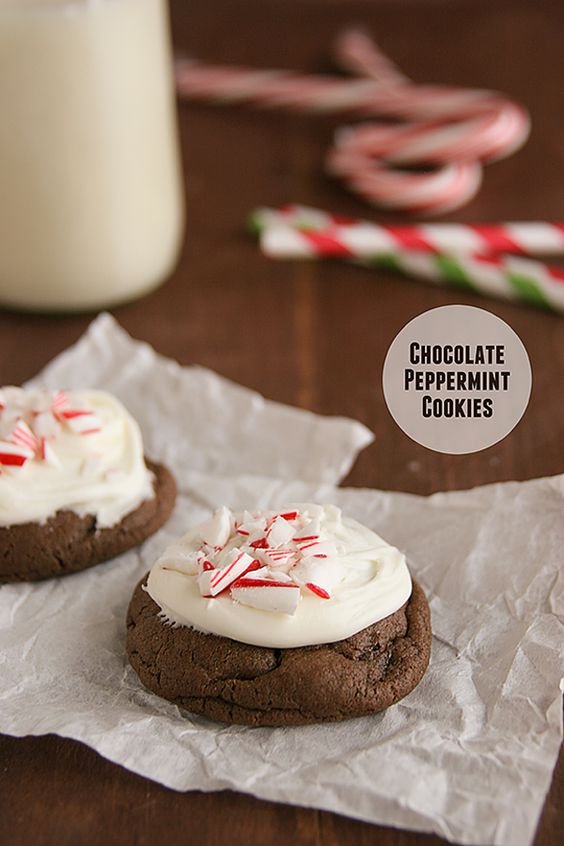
(457,379)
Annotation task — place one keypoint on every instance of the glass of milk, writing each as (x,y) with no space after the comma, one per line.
(91,208)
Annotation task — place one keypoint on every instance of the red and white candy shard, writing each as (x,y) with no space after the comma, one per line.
(22,435)
(279,559)
(46,425)
(204,582)
(322,573)
(48,454)
(14,455)
(280,532)
(259,573)
(216,531)
(81,422)
(317,549)
(32,420)
(309,530)
(265,560)
(223,577)
(183,560)
(251,526)
(267,595)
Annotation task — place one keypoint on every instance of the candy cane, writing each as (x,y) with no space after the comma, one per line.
(497,275)
(505,277)
(334,235)
(452,129)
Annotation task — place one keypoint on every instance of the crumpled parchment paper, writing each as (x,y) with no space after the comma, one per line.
(469,754)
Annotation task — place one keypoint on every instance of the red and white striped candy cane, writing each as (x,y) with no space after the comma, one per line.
(492,274)
(450,131)
(336,235)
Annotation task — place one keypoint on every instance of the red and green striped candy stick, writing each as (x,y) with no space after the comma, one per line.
(492,273)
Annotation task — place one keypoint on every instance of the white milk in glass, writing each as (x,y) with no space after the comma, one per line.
(91,208)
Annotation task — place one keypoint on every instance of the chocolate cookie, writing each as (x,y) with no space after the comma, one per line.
(66,543)
(257,686)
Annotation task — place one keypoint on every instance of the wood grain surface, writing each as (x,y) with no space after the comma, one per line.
(313,335)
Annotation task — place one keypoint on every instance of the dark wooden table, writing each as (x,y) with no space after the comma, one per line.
(308,334)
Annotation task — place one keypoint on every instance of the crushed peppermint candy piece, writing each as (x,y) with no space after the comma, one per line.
(14,455)
(259,543)
(318,549)
(279,576)
(266,595)
(60,401)
(289,515)
(81,422)
(46,425)
(33,419)
(265,560)
(22,435)
(310,529)
(258,571)
(215,532)
(280,532)
(48,454)
(182,560)
(204,582)
(276,563)
(222,578)
(318,591)
(251,526)
(10,396)
(315,512)
(321,572)
(275,556)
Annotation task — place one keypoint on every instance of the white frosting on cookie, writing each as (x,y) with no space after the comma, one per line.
(365,579)
(79,451)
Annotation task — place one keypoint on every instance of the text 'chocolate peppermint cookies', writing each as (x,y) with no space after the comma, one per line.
(75,488)
(280,618)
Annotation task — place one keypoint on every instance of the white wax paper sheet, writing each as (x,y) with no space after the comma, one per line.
(468,754)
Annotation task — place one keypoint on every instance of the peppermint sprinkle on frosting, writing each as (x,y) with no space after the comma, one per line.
(265,560)
(31,421)
(74,450)
(302,575)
